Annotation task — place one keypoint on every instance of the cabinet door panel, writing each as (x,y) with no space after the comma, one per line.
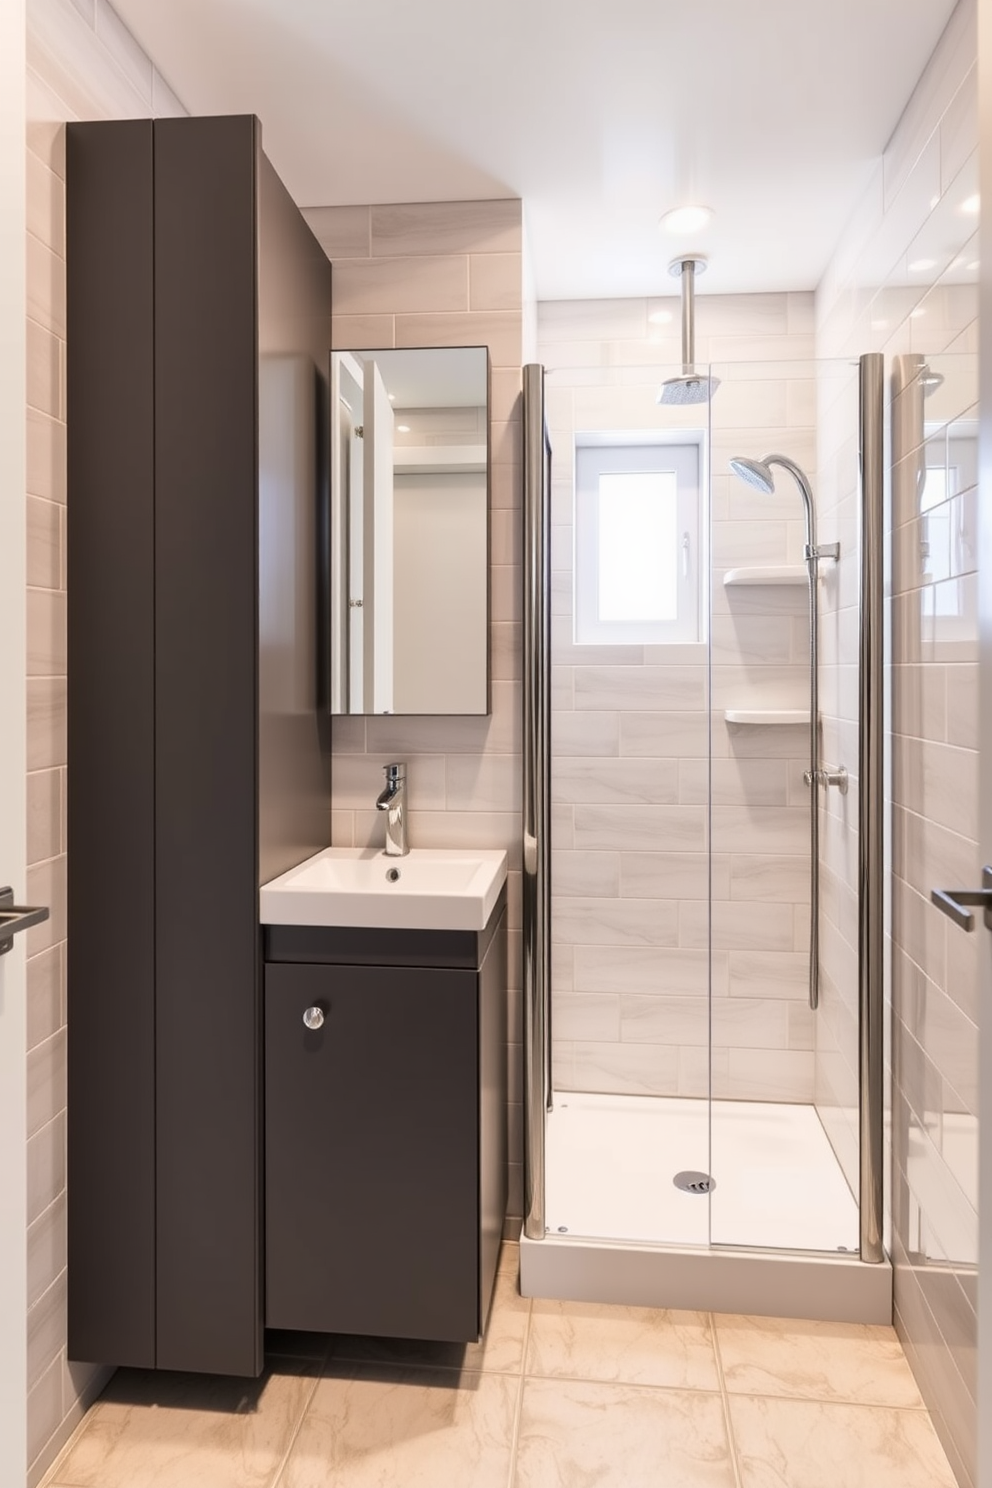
(372,1150)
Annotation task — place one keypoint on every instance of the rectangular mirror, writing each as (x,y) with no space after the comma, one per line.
(409,538)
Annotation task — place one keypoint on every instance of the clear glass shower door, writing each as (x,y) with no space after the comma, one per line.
(785,1049)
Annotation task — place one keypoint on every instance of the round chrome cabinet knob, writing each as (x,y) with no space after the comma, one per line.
(314,1017)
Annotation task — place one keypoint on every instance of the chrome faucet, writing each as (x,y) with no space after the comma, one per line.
(392,800)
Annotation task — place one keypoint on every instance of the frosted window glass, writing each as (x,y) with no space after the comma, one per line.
(638,546)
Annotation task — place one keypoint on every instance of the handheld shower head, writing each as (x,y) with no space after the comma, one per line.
(755,472)
(758,473)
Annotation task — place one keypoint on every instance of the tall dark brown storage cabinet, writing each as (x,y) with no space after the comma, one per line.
(198,337)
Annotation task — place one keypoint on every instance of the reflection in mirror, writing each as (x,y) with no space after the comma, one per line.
(409,531)
(935,500)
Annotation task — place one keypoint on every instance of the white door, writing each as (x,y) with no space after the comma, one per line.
(13,850)
(378,538)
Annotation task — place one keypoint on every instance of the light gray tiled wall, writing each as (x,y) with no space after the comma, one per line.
(872,298)
(631,732)
(82,64)
(446,274)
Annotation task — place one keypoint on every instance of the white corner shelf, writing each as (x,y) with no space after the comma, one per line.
(429,459)
(782,573)
(776,717)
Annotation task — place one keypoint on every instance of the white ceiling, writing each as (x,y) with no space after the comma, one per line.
(599,114)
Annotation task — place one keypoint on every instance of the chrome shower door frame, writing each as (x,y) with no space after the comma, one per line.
(536,798)
(536,793)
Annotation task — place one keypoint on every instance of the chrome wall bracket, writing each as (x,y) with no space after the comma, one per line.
(16,917)
(838,778)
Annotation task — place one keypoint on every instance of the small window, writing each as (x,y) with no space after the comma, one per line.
(638,544)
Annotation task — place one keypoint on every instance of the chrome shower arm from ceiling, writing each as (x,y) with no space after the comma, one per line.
(688,272)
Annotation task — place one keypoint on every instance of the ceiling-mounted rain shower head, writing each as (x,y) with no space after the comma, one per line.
(692,386)
(755,472)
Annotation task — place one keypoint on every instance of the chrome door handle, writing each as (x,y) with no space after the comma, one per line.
(16,917)
(957,903)
(314,1018)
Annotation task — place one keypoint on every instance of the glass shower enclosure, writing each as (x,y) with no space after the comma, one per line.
(703,923)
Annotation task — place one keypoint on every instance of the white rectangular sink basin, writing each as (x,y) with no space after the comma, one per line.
(428,889)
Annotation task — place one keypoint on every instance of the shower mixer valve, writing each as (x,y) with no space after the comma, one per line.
(838,777)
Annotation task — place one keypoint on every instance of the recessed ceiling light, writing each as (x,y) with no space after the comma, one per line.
(402,428)
(686,219)
(972,205)
(660,317)
(391,397)
(920,265)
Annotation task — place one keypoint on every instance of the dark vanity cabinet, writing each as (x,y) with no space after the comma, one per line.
(198,754)
(385,1128)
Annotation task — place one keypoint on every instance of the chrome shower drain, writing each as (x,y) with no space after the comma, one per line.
(694,1183)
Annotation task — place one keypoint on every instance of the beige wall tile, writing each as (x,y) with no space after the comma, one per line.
(395,285)
(342,232)
(495,281)
(615,922)
(46,616)
(44,1408)
(47,1250)
(45,456)
(625,1069)
(47,885)
(363,332)
(46,1082)
(44,815)
(612,781)
(46,703)
(46,1000)
(46,1166)
(43,370)
(447,227)
(497,329)
(44,554)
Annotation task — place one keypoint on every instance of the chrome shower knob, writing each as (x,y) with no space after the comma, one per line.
(314,1018)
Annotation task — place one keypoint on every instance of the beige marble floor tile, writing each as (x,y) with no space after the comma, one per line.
(629,1345)
(574,1434)
(383,1427)
(850,1362)
(163,1430)
(813,1444)
(501,1349)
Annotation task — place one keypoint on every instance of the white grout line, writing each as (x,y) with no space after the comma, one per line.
(725,1397)
(321,1364)
(518,1412)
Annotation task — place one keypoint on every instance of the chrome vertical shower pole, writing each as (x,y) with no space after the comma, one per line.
(536,823)
(871,819)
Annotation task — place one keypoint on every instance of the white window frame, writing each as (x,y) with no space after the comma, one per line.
(635,453)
